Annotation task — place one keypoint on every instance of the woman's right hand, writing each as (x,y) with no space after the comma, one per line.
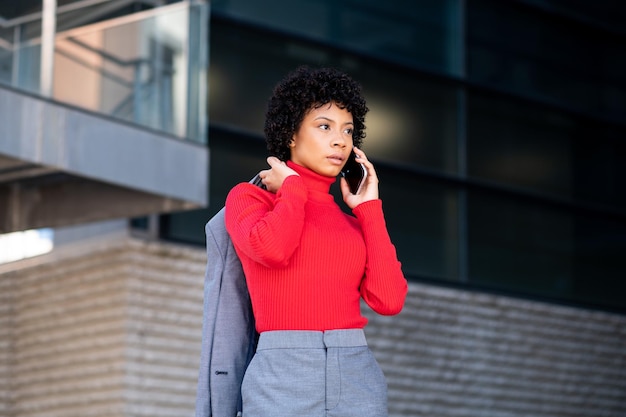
(274,177)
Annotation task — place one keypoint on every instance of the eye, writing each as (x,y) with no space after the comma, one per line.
(324,126)
(349,131)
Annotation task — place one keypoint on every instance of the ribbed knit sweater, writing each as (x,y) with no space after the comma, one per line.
(307,263)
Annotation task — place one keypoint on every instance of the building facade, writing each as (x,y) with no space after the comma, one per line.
(498,131)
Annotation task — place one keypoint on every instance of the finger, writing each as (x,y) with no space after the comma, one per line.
(273,161)
(360,154)
(343,186)
(346,194)
(362,159)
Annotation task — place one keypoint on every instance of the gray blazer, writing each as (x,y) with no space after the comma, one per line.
(228,333)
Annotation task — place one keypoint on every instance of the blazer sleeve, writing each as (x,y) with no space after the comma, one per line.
(228,331)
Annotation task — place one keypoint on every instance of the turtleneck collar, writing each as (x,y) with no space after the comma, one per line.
(317,185)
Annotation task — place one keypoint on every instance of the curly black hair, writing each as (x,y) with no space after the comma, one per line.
(305,89)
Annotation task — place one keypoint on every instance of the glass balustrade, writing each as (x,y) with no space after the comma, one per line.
(147,68)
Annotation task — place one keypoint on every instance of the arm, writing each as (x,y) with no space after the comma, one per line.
(265,227)
(383,287)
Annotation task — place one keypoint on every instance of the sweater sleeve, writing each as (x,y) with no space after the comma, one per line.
(383,287)
(265,227)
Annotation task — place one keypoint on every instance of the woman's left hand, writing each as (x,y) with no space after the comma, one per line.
(369,190)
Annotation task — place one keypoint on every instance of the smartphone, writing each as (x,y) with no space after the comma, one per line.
(354,173)
(257,181)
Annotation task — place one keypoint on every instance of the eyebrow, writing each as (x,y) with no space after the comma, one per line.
(331,120)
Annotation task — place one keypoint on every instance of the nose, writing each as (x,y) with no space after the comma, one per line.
(339,141)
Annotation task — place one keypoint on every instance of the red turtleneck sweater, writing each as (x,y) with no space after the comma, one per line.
(306,262)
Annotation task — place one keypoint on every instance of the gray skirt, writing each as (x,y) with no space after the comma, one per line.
(314,374)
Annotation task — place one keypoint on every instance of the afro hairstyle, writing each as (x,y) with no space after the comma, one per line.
(303,90)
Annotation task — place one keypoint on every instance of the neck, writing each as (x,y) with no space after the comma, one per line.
(318,185)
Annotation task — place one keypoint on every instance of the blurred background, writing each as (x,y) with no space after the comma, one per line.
(498,129)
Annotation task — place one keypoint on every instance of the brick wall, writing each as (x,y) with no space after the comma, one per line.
(5,346)
(110,330)
(67,335)
(164,324)
(113,329)
(457,353)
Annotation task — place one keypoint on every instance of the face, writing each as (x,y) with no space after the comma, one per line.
(324,140)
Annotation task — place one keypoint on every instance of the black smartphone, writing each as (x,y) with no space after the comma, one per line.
(257,181)
(354,173)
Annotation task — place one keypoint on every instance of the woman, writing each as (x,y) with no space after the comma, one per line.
(307,263)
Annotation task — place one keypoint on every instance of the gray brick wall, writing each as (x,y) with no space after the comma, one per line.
(113,329)
(458,353)
(110,330)
(68,331)
(5,346)
(163,329)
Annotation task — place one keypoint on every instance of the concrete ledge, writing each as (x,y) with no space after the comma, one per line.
(61,165)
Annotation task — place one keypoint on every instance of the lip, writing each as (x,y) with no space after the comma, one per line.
(336,159)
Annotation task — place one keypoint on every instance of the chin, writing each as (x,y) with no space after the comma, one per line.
(335,173)
(332,172)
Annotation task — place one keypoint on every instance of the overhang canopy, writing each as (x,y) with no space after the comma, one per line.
(61,165)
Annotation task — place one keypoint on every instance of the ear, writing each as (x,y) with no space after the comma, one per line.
(292,142)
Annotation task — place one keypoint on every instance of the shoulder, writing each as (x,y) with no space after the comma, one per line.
(247,192)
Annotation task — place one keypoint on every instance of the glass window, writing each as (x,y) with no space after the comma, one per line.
(515,245)
(412,121)
(20,55)
(530,248)
(11,9)
(143,81)
(6,55)
(546,151)
(136,67)
(424,33)
(599,269)
(241,83)
(604,12)
(422,219)
(519,49)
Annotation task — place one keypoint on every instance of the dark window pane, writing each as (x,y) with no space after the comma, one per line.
(422,219)
(515,245)
(599,269)
(546,151)
(530,248)
(609,13)
(521,50)
(240,83)
(424,33)
(411,121)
